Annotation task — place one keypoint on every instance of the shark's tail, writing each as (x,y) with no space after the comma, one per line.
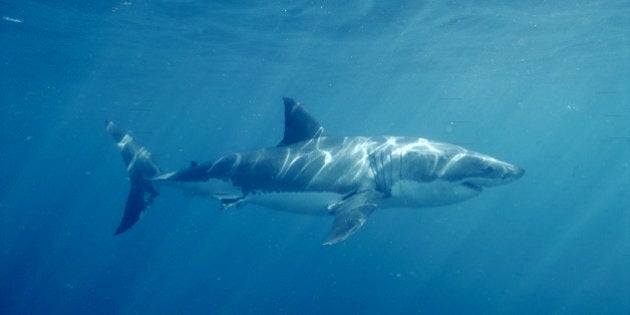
(141,168)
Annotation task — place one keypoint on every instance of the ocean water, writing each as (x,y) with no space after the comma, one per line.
(542,84)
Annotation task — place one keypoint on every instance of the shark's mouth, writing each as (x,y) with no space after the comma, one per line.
(473,186)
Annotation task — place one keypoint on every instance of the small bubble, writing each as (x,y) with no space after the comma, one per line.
(10,19)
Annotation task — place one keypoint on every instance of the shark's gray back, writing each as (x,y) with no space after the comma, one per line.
(343,165)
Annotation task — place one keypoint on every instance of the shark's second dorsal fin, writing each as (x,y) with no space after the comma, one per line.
(299,125)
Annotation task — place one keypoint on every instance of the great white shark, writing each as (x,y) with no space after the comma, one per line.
(310,172)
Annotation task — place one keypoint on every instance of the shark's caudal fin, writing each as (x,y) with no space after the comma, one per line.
(140,167)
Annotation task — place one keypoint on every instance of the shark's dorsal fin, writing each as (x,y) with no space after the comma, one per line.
(299,125)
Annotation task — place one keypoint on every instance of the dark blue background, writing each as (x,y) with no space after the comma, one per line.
(544,85)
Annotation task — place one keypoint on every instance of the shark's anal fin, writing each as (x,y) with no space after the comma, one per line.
(351,213)
(299,125)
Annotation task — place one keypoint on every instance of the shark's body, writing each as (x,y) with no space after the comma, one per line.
(312,173)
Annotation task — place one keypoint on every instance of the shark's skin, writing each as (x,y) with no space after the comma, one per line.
(310,172)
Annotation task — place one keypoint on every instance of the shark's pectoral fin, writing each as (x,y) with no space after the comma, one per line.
(347,223)
(351,213)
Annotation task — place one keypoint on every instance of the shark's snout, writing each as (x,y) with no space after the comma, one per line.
(482,171)
(518,173)
(513,173)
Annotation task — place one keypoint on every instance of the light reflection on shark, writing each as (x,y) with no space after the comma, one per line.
(310,172)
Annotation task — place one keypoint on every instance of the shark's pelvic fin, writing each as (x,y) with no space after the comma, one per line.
(299,125)
(351,213)
(141,167)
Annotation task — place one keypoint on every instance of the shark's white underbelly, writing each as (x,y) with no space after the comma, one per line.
(404,194)
(313,203)
(407,193)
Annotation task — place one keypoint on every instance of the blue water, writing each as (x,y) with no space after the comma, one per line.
(541,84)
